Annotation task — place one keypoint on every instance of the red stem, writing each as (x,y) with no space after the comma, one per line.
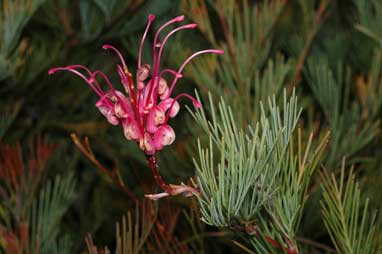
(152,161)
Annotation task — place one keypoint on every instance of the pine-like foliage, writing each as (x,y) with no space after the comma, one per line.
(370,18)
(246,66)
(352,227)
(14,16)
(32,210)
(260,180)
(46,214)
(346,118)
(254,153)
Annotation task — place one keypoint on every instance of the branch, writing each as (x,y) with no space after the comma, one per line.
(84,147)
(169,189)
(315,244)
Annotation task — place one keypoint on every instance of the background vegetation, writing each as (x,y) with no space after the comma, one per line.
(327,52)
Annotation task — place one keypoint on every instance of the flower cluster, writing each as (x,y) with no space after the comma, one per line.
(145,108)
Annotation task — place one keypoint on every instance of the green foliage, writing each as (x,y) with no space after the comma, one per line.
(14,16)
(6,119)
(346,118)
(351,226)
(255,162)
(258,181)
(46,214)
(370,18)
(245,69)
(246,160)
(32,208)
(131,236)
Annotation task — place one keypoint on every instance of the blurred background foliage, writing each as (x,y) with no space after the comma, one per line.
(52,196)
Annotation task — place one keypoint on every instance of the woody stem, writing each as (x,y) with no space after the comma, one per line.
(152,161)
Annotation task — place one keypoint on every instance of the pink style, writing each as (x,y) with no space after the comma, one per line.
(145,108)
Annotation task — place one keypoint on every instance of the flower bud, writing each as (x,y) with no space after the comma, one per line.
(112,120)
(164,95)
(109,114)
(147,144)
(164,136)
(143,72)
(167,104)
(162,86)
(107,110)
(155,117)
(122,107)
(131,129)
(119,111)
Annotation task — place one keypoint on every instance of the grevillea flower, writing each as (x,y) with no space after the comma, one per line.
(145,108)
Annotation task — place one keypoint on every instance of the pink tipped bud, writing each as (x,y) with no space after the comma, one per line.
(155,117)
(217,51)
(112,120)
(143,72)
(147,144)
(165,94)
(52,71)
(158,116)
(108,113)
(106,107)
(119,111)
(163,137)
(162,86)
(170,104)
(151,17)
(197,104)
(123,105)
(191,26)
(179,18)
(131,130)
(174,109)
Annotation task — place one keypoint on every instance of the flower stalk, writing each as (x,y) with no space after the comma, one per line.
(169,189)
(152,162)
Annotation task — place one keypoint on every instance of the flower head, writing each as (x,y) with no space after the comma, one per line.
(144,109)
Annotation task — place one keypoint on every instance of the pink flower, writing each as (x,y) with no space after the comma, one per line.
(144,109)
